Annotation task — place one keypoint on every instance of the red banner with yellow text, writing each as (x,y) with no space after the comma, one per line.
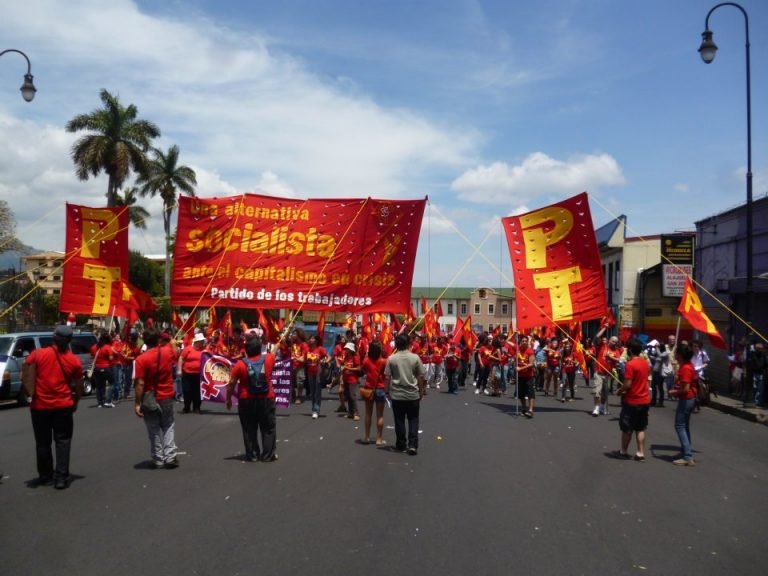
(96,260)
(350,255)
(556,264)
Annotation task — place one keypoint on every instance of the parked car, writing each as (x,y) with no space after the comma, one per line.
(17,346)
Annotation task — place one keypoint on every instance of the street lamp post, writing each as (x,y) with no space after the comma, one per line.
(28,87)
(708,49)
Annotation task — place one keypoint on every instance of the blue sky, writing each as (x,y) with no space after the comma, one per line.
(489,108)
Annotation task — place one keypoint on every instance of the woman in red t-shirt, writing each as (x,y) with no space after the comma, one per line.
(314,357)
(526,373)
(569,372)
(190,361)
(350,376)
(685,392)
(484,352)
(373,392)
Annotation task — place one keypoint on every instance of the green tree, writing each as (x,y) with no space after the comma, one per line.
(116,143)
(8,240)
(138,215)
(145,274)
(164,177)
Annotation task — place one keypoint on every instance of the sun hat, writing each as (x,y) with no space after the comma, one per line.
(349,346)
(199,337)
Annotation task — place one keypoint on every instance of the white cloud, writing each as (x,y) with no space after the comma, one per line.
(246,117)
(538,174)
(433,223)
(681,187)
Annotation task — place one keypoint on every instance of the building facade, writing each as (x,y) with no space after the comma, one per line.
(46,270)
(489,307)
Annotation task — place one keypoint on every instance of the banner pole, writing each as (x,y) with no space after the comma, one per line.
(112,319)
(677,330)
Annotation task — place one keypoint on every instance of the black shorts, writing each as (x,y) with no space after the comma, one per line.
(526,387)
(633,417)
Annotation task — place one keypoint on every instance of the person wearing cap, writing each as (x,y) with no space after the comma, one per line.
(350,376)
(190,363)
(53,377)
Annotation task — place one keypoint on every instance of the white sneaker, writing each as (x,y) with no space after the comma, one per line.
(603,410)
(477,391)
(437,386)
(596,411)
(109,405)
(314,416)
(474,383)
(486,392)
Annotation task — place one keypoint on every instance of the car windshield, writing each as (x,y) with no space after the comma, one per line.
(5,345)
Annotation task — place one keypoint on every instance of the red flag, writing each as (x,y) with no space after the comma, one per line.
(496,331)
(470,338)
(423,305)
(608,320)
(243,326)
(176,320)
(578,350)
(458,330)
(270,327)
(411,316)
(438,310)
(556,263)
(96,261)
(321,328)
(132,301)
(386,336)
(226,324)
(429,323)
(349,322)
(395,322)
(212,322)
(692,310)
(625,334)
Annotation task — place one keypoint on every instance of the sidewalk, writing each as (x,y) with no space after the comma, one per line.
(736,408)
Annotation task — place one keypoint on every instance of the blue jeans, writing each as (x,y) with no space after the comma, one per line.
(161,430)
(683,426)
(117,384)
(315,391)
(127,379)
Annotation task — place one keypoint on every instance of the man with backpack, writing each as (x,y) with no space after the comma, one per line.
(255,401)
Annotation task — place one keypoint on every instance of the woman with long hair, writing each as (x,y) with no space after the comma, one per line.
(685,392)
(373,392)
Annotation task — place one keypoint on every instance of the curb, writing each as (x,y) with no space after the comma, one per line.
(751,414)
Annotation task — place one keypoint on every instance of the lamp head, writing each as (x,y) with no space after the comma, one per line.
(708,48)
(28,88)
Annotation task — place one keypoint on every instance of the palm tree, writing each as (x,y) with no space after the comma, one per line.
(117,143)
(136,214)
(164,177)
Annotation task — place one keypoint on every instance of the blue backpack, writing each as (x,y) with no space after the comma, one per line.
(257,377)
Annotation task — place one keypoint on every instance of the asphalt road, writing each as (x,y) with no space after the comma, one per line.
(489,493)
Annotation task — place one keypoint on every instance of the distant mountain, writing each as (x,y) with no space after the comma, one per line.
(12,258)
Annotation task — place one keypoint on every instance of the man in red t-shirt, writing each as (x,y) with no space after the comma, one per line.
(153,373)
(255,409)
(635,401)
(53,377)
